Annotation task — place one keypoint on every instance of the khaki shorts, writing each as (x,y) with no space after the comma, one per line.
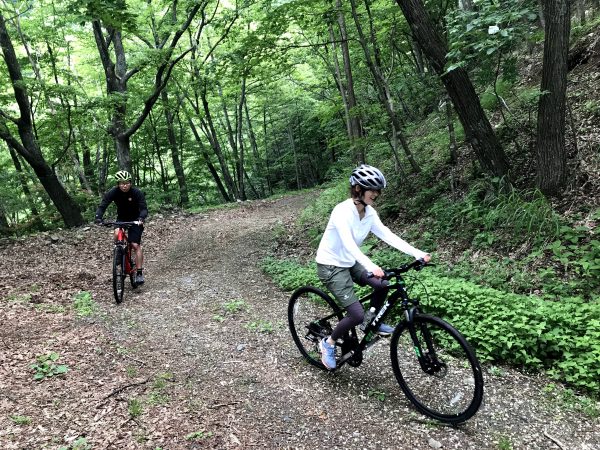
(340,281)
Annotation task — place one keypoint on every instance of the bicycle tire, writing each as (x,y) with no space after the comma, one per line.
(449,387)
(132,267)
(118,274)
(306,309)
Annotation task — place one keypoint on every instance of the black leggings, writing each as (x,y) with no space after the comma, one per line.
(356,312)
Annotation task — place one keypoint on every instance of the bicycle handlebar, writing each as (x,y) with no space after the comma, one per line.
(121,224)
(417,264)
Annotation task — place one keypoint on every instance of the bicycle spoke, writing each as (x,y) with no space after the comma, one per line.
(311,316)
(118,274)
(437,370)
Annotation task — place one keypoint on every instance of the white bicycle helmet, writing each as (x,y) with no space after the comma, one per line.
(122,175)
(368,177)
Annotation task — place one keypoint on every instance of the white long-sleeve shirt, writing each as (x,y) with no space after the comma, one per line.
(346,232)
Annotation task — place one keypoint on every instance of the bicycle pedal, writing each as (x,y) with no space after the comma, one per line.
(345,357)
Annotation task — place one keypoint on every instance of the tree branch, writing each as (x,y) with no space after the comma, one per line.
(149,103)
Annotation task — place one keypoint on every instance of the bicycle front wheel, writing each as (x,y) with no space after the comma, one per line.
(132,269)
(118,273)
(312,315)
(437,369)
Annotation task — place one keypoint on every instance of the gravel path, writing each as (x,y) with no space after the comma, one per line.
(200,357)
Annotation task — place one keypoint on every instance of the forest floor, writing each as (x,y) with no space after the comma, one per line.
(201,357)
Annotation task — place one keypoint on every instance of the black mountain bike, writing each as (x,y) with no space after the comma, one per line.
(123,259)
(434,364)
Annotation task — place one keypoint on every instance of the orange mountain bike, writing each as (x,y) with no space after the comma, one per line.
(123,259)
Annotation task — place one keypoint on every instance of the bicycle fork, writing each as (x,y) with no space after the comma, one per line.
(427,357)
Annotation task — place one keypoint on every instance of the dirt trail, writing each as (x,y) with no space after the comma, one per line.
(201,357)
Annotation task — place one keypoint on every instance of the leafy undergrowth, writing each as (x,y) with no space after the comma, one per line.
(561,338)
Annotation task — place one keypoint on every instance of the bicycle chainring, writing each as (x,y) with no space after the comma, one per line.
(350,343)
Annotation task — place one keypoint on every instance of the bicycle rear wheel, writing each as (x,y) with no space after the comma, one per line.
(118,273)
(437,369)
(312,315)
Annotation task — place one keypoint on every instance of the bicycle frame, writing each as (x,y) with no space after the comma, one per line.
(124,243)
(398,293)
(433,363)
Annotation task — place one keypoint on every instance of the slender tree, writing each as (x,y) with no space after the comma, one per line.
(381,84)
(27,144)
(551,152)
(477,127)
(108,34)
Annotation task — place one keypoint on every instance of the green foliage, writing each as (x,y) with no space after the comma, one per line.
(314,218)
(493,28)
(518,214)
(20,420)
(560,337)
(158,395)
(568,400)
(377,394)
(83,304)
(577,251)
(291,275)
(198,435)
(135,408)
(234,306)
(260,326)
(46,367)
(78,444)
(504,443)
(592,107)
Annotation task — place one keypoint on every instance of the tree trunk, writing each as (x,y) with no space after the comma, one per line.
(382,86)
(293,146)
(451,133)
(258,164)
(541,14)
(240,140)
(88,168)
(213,138)
(211,168)
(477,127)
(183,193)
(580,11)
(117,76)
(28,195)
(158,152)
(337,76)
(4,226)
(266,144)
(551,152)
(356,129)
(28,145)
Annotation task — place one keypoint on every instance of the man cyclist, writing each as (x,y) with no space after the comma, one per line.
(131,206)
(341,263)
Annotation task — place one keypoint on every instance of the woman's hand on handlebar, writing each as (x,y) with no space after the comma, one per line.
(378,272)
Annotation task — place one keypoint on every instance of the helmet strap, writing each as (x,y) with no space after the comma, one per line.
(359,199)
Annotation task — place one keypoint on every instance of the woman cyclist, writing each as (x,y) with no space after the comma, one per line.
(131,206)
(341,263)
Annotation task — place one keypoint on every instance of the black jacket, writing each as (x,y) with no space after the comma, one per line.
(131,205)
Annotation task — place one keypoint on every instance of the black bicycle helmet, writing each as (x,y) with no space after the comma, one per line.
(122,175)
(368,177)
